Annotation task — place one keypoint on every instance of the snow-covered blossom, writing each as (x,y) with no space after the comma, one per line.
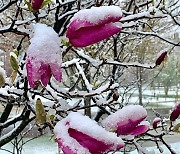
(36,4)
(156,121)
(43,56)
(92,25)
(78,134)
(161,58)
(127,121)
(175,113)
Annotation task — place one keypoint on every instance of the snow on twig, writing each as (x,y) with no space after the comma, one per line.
(81,72)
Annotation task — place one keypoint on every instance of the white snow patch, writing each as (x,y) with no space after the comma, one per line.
(2,72)
(45,45)
(95,15)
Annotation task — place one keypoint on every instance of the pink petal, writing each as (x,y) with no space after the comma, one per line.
(125,128)
(65,149)
(56,71)
(45,74)
(32,72)
(92,144)
(175,113)
(76,25)
(90,35)
(156,121)
(139,130)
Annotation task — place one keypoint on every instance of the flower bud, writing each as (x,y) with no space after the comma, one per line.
(155,122)
(36,4)
(115,96)
(175,113)
(161,58)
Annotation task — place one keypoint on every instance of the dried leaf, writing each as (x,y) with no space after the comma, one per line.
(2,80)
(13,76)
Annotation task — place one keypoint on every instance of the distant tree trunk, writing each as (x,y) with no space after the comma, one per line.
(139,77)
(166,89)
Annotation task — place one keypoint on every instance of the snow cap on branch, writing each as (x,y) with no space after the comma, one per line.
(92,25)
(43,56)
(127,121)
(175,113)
(78,134)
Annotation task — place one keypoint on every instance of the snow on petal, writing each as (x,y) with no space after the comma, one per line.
(156,121)
(175,113)
(43,55)
(125,120)
(92,25)
(78,134)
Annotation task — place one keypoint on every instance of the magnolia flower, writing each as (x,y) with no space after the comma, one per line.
(156,121)
(90,26)
(36,4)
(127,121)
(43,56)
(161,58)
(78,134)
(175,113)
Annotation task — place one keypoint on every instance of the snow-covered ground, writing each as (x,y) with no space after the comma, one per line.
(150,96)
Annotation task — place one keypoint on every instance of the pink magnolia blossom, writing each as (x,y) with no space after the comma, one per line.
(156,121)
(175,113)
(78,134)
(43,56)
(36,4)
(127,121)
(90,26)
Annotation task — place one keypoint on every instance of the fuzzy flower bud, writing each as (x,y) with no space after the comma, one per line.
(175,113)
(36,4)
(161,58)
